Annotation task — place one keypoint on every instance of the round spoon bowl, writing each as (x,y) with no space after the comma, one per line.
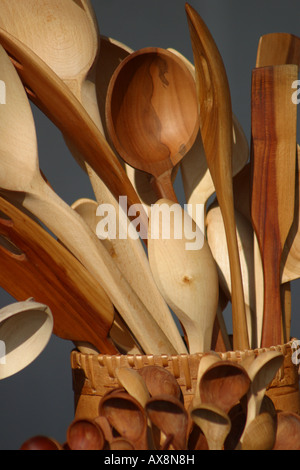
(37,23)
(151,110)
(25,330)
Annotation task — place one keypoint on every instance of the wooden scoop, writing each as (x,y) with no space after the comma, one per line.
(216,132)
(25,330)
(152,114)
(274,118)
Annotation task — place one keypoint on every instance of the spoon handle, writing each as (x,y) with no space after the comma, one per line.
(74,233)
(163,186)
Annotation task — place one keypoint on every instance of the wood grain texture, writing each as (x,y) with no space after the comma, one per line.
(34,264)
(273,122)
(216,131)
(152,114)
(54,98)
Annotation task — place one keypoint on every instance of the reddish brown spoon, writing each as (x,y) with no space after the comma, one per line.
(152,114)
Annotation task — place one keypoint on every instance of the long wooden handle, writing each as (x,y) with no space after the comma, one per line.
(273,122)
(74,233)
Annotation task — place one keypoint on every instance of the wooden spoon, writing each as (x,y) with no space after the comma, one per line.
(25,330)
(261,372)
(138,273)
(34,264)
(152,114)
(41,443)
(223,384)
(288,431)
(80,77)
(54,98)
(274,118)
(127,416)
(214,423)
(160,381)
(169,415)
(20,173)
(216,132)
(85,434)
(133,383)
(186,275)
(260,434)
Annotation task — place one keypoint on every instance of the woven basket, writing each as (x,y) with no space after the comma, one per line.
(94,376)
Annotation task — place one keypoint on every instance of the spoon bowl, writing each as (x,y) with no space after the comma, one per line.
(25,330)
(152,114)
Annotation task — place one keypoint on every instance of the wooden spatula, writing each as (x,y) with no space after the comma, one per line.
(278,49)
(273,122)
(34,264)
(216,131)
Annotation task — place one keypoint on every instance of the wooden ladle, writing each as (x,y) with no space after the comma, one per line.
(216,132)
(223,384)
(21,178)
(185,274)
(152,114)
(25,330)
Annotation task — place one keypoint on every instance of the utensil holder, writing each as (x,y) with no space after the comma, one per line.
(94,376)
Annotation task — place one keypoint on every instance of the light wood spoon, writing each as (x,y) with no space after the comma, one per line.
(260,434)
(25,330)
(278,49)
(214,423)
(216,132)
(47,91)
(140,274)
(273,159)
(261,372)
(152,114)
(187,278)
(21,178)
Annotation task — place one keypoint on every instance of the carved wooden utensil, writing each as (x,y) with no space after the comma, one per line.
(25,330)
(152,114)
(216,132)
(273,159)
(57,101)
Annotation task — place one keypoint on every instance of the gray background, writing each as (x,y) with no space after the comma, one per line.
(39,400)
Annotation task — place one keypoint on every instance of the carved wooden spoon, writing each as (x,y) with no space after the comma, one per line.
(216,132)
(185,273)
(152,114)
